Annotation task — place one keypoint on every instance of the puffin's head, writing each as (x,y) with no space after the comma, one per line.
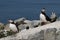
(10,21)
(43,10)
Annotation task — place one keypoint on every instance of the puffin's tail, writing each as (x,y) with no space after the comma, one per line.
(54,19)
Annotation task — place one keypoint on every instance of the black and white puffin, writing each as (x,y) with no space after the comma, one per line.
(53,17)
(43,17)
(13,26)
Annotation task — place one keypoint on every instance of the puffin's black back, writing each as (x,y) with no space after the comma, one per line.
(47,18)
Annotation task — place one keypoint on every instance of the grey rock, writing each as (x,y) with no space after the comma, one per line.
(20,19)
(1,26)
(58,35)
(58,19)
(7,27)
(50,34)
(47,32)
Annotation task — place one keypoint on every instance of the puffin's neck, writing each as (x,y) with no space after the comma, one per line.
(43,13)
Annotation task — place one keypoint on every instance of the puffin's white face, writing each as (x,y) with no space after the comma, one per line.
(10,21)
(43,10)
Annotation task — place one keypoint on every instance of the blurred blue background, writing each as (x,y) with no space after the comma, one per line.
(30,9)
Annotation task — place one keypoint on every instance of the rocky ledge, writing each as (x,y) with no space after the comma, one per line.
(47,32)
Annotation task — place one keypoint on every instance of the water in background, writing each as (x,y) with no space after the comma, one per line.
(30,9)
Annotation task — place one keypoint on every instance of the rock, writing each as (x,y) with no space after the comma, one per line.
(1,26)
(58,19)
(28,23)
(19,20)
(21,27)
(7,27)
(47,32)
(50,34)
(58,35)
(36,23)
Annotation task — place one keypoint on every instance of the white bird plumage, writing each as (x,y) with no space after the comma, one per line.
(13,27)
(43,18)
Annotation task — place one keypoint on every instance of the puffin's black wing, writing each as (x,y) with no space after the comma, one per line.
(17,25)
(47,18)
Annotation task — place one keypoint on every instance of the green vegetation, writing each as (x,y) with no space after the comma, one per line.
(8,33)
(3,33)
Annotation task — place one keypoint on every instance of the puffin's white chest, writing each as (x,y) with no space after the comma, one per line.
(43,18)
(13,27)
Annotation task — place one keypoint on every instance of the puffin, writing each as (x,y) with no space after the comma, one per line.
(13,26)
(53,17)
(43,17)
